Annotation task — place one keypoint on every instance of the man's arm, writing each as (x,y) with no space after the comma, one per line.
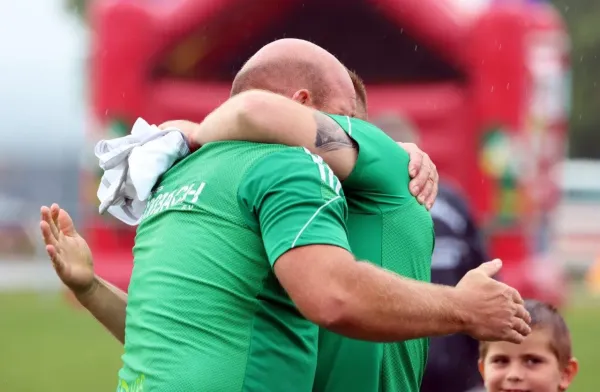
(263,117)
(359,300)
(362,301)
(107,304)
(72,260)
(302,222)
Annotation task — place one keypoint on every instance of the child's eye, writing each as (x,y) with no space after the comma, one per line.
(533,360)
(500,360)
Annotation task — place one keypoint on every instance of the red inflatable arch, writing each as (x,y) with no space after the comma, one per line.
(480,87)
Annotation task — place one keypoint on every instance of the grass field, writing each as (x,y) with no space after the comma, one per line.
(47,346)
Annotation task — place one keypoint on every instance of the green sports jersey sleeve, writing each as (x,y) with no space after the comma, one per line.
(381,171)
(293,199)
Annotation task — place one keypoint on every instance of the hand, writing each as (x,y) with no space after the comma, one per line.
(187,128)
(70,254)
(494,310)
(425,178)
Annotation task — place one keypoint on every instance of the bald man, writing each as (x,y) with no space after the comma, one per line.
(386,226)
(208,309)
(272,254)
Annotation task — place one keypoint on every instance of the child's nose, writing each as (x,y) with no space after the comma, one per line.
(515,373)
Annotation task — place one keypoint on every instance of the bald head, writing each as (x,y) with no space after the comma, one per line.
(299,70)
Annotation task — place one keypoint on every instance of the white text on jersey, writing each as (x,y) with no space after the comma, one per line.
(187,194)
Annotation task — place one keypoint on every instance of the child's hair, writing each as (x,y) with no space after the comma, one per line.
(546,317)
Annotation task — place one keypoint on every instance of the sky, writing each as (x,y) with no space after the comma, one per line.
(42,102)
(42,108)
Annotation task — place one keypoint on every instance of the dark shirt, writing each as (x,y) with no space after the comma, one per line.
(452,360)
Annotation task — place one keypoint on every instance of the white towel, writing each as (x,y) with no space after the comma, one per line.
(132,164)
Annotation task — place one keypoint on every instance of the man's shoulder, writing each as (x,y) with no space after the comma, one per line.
(233,147)
(290,176)
(364,132)
(351,124)
(224,164)
(228,154)
(291,162)
(382,165)
(290,168)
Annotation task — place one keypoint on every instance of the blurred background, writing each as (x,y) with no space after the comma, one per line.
(502,94)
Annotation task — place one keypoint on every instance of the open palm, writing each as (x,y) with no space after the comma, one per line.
(70,254)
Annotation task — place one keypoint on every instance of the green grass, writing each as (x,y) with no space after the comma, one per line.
(583,318)
(46,345)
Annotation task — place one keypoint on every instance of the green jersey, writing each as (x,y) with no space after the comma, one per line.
(205,311)
(388,227)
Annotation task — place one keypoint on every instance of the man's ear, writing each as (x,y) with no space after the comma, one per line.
(303,97)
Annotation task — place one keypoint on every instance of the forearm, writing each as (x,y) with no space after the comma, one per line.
(263,117)
(117,291)
(258,116)
(382,306)
(107,304)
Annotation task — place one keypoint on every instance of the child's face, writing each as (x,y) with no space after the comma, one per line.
(527,367)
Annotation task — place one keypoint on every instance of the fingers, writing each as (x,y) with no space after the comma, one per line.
(424,183)
(167,125)
(519,322)
(419,182)
(49,238)
(58,221)
(187,129)
(516,296)
(57,262)
(415,161)
(435,179)
(523,314)
(426,193)
(54,212)
(66,223)
(490,268)
(514,337)
(432,195)
(521,326)
(46,216)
